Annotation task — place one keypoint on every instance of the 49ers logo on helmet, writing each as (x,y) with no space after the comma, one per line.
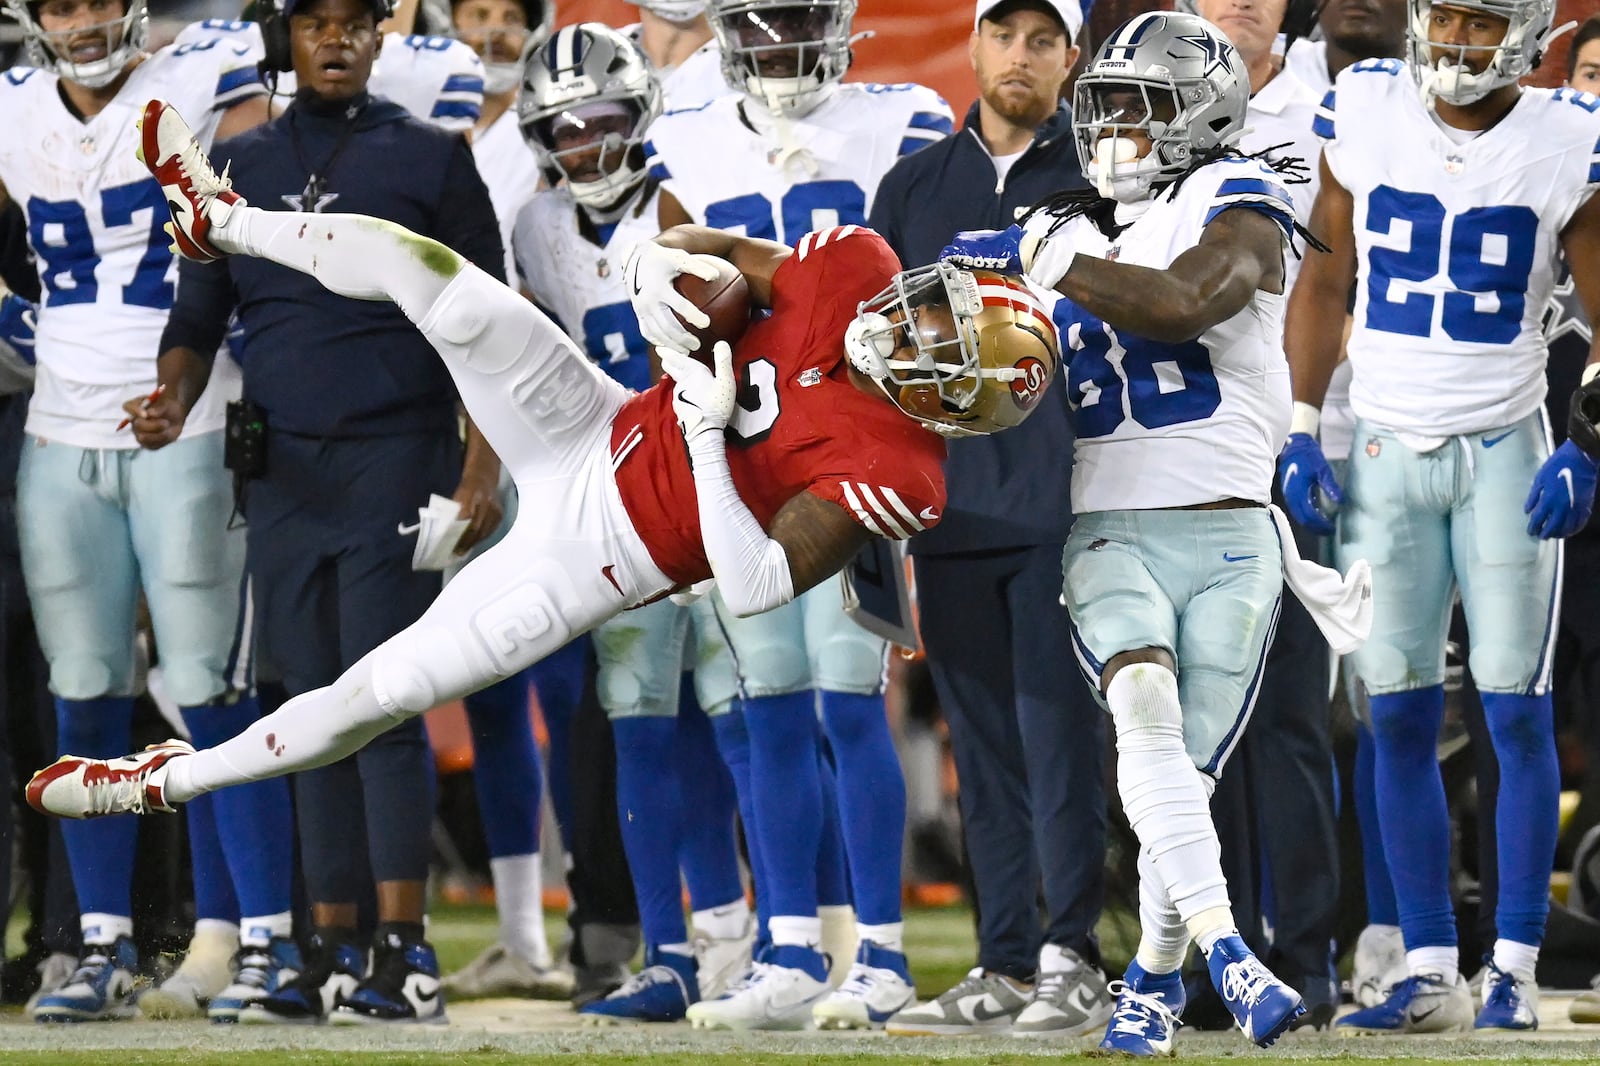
(1029,385)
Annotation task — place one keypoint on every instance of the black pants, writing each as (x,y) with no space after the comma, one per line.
(332,580)
(28,743)
(1029,746)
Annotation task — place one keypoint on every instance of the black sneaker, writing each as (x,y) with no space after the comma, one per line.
(403,987)
(334,972)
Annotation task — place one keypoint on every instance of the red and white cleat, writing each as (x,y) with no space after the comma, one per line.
(76,787)
(196,196)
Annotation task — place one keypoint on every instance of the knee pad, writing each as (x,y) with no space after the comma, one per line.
(638,690)
(773,669)
(1498,668)
(1381,666)
(190,683)
(850,661)
(469,306)
(84,677)
(400,684)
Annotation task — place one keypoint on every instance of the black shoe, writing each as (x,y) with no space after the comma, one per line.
(403,987)
(334,972)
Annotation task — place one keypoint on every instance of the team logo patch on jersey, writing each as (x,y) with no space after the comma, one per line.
(1374,447)
(1029,385)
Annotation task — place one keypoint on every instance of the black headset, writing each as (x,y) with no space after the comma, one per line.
(1300,19)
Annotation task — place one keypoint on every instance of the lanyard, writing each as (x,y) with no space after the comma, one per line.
(316,177)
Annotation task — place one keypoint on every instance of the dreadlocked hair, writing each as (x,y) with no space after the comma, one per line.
(1102,210)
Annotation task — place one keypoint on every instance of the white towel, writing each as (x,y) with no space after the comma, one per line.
(439,527)
(1341,605)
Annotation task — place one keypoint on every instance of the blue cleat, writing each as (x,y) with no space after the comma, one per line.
(1508,1001)
(661,992)
(262,971)
(1422,1003)
(1145,1018)
(1261,1005)
(100,989)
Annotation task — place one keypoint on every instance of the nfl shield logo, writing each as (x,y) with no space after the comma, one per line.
(810,377)
(1374,446)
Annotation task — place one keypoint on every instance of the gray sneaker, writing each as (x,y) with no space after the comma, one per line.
(1066,1002)
(981,1003)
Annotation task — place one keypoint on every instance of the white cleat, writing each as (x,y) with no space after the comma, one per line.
(722,961)
(78,787)
(206,970)
(875,991)
(775,997)
(500,971)
(197,196)
(1380,964)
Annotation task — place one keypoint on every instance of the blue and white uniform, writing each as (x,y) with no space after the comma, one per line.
(1163,426)
(1458,243)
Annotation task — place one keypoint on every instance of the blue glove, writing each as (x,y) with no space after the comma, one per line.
(986,249)
(1563,493)
(17,323)
(1302,471)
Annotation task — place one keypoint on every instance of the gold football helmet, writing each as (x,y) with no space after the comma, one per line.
(964,352)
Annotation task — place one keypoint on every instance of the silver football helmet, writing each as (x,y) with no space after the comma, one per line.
(588,95)
(789,54)
(673,10)
(501,75)
(1164,88)
(124,38)
(964,352)
(1452,79)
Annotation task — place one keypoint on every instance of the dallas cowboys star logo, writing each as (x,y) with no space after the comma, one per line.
(1564,313)
(1215,51)
(313,195)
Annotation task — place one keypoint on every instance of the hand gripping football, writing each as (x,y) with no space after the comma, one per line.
(725,300)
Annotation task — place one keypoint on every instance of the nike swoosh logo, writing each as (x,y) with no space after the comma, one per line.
(1229,558)
(928,514)
(981,1013)
(605,572)
(1418,1017)
(1490,442)
(1566,476)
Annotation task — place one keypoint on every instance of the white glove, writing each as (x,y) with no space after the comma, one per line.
(649,272)
(702,400)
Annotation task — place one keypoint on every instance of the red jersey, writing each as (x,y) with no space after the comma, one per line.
(801,426)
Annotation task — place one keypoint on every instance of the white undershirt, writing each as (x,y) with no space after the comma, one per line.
(1002,166)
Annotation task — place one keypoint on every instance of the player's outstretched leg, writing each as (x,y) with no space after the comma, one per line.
(353,255)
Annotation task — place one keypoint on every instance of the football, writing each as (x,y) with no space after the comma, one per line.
(725,300)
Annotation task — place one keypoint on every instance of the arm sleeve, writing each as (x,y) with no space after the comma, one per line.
(466,221)
(752,569)
(199,318)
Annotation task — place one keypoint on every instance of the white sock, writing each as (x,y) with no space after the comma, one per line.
(1163,938)
(890,935)
(260,931)
(352,255)
(727,922)
(797,932)
(1435,959)
(216,929)
(1166,799)
(685,951)
(1518,959)
(1210,926)
(104,928)
(1053,958)
(519,900)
